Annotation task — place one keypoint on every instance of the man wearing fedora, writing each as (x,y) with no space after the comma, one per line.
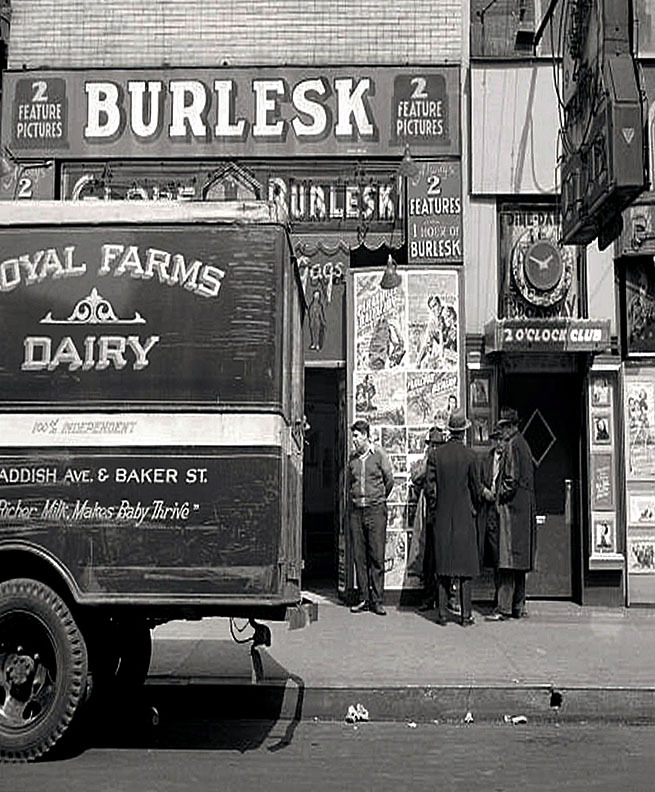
(452,492)
(517,528)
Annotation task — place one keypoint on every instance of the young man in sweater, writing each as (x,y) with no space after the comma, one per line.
(370,480)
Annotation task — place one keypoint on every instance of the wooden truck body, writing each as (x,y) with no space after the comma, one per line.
(151,430)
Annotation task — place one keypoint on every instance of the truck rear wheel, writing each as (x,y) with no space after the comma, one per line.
(43,669)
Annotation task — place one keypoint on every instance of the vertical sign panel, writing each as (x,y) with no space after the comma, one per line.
(434,211)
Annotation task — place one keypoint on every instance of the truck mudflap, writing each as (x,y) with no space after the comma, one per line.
(302,614)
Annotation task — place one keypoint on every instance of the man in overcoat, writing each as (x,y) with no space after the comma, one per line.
(517,528)
(452,492)
(490,466)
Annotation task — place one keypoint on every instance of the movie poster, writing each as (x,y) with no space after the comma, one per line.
(639,307)
(406,377)
(380,323)
(640,423)
(641,555)
(639,405)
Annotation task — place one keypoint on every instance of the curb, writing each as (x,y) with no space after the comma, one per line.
(291,700)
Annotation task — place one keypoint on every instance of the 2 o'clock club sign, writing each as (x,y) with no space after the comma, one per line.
(349,111)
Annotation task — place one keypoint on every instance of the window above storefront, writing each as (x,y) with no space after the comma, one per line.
(507,28)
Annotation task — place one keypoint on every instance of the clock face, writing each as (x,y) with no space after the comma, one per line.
(541,269)
(543,265)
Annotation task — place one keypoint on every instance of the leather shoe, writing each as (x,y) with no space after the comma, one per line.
(467,621)
(520,614)
(442,621)
(360,607)
(496,617)
(378,609)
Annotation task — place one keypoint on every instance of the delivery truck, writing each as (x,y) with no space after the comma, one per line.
(151,441)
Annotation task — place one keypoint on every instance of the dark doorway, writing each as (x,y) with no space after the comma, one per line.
(321,475)
(549,408)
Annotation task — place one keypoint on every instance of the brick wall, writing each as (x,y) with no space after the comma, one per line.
(96,33)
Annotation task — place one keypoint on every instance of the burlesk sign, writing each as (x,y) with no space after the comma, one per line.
(231,112)
(434,213)
(547,335)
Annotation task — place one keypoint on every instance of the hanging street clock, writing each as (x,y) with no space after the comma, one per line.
(542,269)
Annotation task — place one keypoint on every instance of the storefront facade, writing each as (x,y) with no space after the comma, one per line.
(325,144)
(404,192)
(541,323)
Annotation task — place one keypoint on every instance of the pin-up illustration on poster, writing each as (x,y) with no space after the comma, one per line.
(322,273)
(640,419)
(434,324)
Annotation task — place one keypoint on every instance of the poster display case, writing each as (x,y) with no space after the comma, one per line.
(639,421)
(480,407)
(405,367)
(604,544)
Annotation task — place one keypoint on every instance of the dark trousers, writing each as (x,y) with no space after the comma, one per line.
(368,528)
(510,588)
(429,566)
(444,585)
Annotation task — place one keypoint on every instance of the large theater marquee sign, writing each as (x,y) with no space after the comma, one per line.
(354,111)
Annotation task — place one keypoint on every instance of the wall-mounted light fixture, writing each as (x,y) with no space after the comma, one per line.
(390,277)
(408,167)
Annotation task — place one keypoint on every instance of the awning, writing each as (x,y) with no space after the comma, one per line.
(366,256)
(547,335)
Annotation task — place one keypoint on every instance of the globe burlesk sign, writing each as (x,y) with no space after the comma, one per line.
(231,112)
(547,335)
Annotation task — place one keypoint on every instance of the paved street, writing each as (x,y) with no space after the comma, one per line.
(198,754)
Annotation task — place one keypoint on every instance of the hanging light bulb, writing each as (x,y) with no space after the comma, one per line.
(408,167)
(390,278)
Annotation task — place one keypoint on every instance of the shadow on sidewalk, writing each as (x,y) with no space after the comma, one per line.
(228,714)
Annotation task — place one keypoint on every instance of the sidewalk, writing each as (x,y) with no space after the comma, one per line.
(563,662)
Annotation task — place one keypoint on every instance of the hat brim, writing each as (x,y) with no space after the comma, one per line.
(504,422)
(463,428)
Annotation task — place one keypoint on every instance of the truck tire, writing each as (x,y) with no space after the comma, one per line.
(43,669)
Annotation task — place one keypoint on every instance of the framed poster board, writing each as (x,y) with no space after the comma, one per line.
(603,533)
(637,307)
(405,366)
(480,407)
(602,481)
(639,438)
(604,541)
